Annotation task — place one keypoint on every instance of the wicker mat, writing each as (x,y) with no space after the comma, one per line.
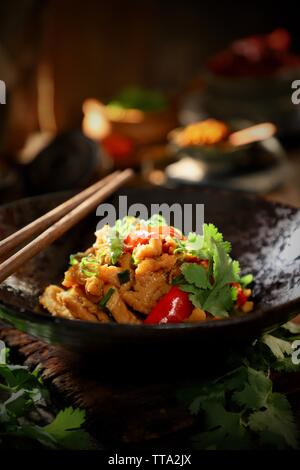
(123,412)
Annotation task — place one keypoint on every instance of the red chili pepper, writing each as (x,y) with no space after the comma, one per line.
(173,307)
(142,235)
(241,297)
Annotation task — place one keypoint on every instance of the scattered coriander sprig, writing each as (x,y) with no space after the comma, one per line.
(240,410)
(22,396)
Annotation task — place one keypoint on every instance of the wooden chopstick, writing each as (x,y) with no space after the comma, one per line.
(56,230)
(43,222)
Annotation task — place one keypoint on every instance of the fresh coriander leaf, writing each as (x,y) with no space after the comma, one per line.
(75,440)
(255,392)
(18,403)
(196,274)
(225,429)
(193,244)
(219,302)
(36,433)
(285,365)
(278,346)
(277,419)
(190,288)
(178,280)
(235,379)
(292,327)
(65,429)
(206,394)
(18,377)
(199,298)
(212,236)
(66,420)
(225,270)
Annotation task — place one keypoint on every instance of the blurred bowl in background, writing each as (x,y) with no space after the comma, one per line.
(219,158)
(142,115)
(250,79)
(263,99)
(150,127)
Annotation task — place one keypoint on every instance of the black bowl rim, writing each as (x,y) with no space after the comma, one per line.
(264,316)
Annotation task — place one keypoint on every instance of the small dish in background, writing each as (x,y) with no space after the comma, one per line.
(145,116)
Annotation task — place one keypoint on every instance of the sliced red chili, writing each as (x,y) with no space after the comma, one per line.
(173,307)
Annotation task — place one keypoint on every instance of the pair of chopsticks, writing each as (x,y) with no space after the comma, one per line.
(57,222)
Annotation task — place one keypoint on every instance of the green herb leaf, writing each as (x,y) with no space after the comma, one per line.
(115,247)
(225,270)
(156,220)
(246,280)
(219,302)
(23,394)
(65,429)
(213,292)
(192,245)
(240,409)
(124,276)
(196,274)
(278,346)
(278,421)
(106,297)
(256,391)
(292,327)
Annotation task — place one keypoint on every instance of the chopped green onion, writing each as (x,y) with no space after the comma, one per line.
(73,260)
(86,262)
(106,297)
(246,280)
(87,273)
(124,276)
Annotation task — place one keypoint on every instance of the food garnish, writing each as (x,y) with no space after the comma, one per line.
(157,276)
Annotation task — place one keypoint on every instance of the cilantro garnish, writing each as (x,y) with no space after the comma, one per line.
(22,398)
(240,410)
(210,289)
(156,220)
(202,245)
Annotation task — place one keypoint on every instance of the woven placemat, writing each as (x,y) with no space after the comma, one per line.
(120,411)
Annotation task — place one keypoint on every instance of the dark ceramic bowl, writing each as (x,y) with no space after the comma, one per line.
(265,238)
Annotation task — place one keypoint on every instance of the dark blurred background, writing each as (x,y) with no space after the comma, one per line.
(54,54)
